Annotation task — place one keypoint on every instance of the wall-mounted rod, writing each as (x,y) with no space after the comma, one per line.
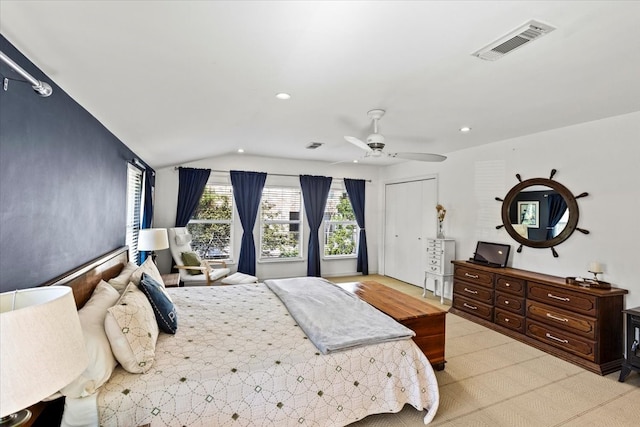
(272,174)
(41,88)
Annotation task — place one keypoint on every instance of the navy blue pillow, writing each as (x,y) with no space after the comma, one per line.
(163,307)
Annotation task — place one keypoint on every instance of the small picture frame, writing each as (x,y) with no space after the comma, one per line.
(529,214)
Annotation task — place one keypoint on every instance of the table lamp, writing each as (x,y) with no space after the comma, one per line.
(153,239)
(42,348)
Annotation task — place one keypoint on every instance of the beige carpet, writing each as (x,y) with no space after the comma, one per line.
(492,380)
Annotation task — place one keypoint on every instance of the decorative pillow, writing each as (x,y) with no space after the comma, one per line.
(161,303)
(121,281)
(132,330)
(192,259)
(101,359)
(148,267)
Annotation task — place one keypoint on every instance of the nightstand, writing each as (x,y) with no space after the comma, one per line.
(171,280)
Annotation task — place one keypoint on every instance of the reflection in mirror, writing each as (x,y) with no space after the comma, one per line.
(540,213)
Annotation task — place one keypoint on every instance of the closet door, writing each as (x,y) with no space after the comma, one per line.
(409,220)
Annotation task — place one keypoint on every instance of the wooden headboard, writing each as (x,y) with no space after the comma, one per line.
(84,279)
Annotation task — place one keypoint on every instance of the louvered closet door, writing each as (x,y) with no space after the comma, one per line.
(409,220)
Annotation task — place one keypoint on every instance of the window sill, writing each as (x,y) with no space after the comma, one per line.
(339,257)
(276,260)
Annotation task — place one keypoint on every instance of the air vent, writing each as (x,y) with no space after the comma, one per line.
(314,145)
(530,31)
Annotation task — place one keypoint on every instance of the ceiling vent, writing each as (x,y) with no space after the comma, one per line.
(530,31)
(314,145)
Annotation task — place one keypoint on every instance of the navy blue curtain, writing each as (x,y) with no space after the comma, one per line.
(247,192)
(315,190)
(355,190)
(557,207)
(190,188)
(147,213)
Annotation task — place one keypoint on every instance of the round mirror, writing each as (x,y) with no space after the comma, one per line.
(540,213)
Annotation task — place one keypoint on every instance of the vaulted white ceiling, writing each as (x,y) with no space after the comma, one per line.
(183,80)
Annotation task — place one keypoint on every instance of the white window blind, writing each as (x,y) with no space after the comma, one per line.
(134,210)
(281,223)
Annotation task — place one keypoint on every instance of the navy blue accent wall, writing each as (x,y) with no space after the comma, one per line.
(62,182)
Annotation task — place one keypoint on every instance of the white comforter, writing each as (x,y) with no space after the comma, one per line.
(239,359)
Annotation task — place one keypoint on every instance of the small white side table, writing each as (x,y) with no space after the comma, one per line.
(440,253)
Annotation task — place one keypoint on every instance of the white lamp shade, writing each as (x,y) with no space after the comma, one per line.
(153,239)
(42,347)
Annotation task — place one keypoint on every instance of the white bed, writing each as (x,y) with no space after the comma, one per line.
(238,358)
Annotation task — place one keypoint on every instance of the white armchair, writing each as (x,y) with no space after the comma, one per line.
(211,271)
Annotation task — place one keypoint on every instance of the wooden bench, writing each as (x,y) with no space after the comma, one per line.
(427,321)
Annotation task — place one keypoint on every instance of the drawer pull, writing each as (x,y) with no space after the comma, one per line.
(470,306)
(473,276)
(506,302)
(471,291)
(561,319)
(558,298)
(506,319)
(548,335)
(507,284)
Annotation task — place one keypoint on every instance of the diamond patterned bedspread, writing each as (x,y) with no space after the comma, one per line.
(239,359)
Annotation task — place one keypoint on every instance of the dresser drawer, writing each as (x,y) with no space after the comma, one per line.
(434,260)
(478,293)
(561,339)
(509,320)
(474,307)
(511,284)
(510,302)
(574,301)
(474,276)
(434,245)
(565,320)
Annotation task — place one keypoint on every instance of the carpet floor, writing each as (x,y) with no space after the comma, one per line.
(495,381)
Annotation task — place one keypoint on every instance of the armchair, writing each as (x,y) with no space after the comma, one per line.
(210,270)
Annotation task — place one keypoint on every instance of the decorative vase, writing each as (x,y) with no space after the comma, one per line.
(440,231)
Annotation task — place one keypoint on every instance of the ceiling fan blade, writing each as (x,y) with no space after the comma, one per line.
(422,157)
(355,141)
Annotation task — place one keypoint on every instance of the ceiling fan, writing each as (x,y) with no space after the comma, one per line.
(375,144)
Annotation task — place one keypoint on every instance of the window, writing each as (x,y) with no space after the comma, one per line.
(212,222)
(340,227)
(280,223)
(134,209)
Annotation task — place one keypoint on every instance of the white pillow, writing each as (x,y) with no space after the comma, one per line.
(101,359)
(121,281)
(149,267)
(132,330)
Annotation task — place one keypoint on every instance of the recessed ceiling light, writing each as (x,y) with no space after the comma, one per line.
(240,150)
(283,95)
(465,129)
(355,161)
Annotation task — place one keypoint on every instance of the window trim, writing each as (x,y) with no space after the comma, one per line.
(216,182)
(300,222)
(353,222)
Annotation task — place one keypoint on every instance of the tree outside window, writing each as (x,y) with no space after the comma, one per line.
(212,223)
(340,227)
(280,218)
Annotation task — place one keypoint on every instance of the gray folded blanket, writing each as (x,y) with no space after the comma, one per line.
(333,318)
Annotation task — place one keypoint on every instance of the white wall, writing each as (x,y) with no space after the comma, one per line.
(600,157)
(167,195)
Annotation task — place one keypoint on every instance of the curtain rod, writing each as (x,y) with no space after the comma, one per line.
(274,174)
(41,88)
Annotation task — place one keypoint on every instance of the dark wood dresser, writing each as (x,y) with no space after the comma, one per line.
(581,325)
